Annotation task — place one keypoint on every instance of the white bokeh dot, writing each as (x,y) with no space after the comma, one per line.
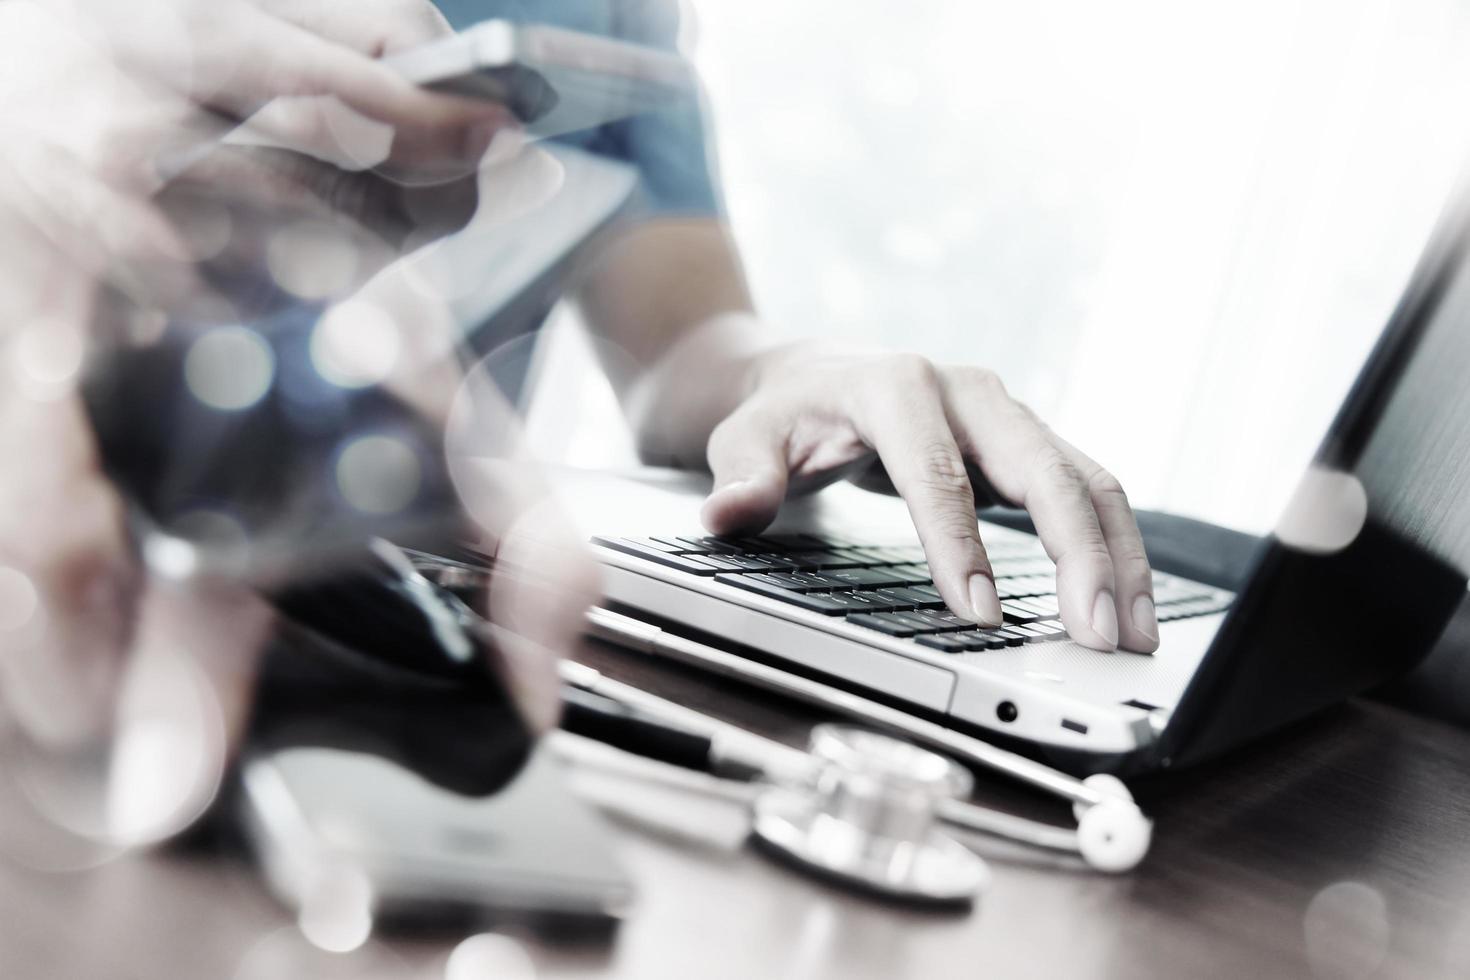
(1346,931)
(356,343)
(378,474)
(1326,513)
(173,558)
(47,357)
(229,368)
(312,259)
(163,763)
(489,956)
(162,777)
(18,600)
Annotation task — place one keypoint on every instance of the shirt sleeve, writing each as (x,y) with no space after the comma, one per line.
(671,148)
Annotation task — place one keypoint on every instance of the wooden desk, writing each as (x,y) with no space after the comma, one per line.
(1341,850)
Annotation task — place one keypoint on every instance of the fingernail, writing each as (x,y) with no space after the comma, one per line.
(1144,619)
(983,600)
(1105,618)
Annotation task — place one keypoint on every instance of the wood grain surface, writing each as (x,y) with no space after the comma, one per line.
(1341,849)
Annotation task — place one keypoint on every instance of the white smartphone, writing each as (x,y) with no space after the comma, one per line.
(554,80)
(327,823)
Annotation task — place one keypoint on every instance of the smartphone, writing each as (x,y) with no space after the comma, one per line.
(324,823)
(554,80)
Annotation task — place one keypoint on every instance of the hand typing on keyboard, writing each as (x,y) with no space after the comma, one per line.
(945,439)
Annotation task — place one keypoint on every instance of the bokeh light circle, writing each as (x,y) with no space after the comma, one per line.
(355,344)
(378,474)
(229,368)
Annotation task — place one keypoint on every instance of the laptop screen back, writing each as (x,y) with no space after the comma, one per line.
(1370,560)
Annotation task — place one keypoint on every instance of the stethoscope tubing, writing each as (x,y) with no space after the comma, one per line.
(743,754)
(624,631)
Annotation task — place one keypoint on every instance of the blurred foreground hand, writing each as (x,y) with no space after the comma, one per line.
(117,207)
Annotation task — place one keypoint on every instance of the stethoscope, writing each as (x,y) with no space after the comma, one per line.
(868,808)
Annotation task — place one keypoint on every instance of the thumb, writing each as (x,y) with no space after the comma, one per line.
(747,455)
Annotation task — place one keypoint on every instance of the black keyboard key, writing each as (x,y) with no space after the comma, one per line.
(816,580)
(716,561)
(884,623)
(814,560)
(707,545)
(981,640)
(912,574)
(671,545)
(781,541)
(773,580)
(864,578)
(641,549)
(857,601)
(911,619)
(926,590)
(760,563)
(818,602)
(878,601)
(943,643)
(1017,614)
(808,561)
(1011,637)
(801,581)
(944,622)
(905,597)
(949,620)
(842,542)
(763,585)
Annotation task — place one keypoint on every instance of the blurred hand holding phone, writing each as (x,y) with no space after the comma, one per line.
(195,306)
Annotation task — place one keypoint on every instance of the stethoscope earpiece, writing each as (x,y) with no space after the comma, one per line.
(1113,836)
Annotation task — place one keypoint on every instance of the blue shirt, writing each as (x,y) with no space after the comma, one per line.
(669,148)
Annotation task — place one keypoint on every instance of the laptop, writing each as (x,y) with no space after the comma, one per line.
(1363,572)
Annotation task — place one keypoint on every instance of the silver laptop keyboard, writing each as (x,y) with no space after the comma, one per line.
(889,589)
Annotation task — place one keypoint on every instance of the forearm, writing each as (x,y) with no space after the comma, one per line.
(670,298)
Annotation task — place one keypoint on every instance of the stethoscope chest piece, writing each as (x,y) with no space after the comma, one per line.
(868,817)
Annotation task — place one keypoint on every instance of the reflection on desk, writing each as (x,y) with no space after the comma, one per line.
(1334,851)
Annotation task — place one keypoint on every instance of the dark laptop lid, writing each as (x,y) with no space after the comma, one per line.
(1370,559)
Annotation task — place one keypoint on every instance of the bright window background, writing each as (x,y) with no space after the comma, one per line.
(1174,229)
